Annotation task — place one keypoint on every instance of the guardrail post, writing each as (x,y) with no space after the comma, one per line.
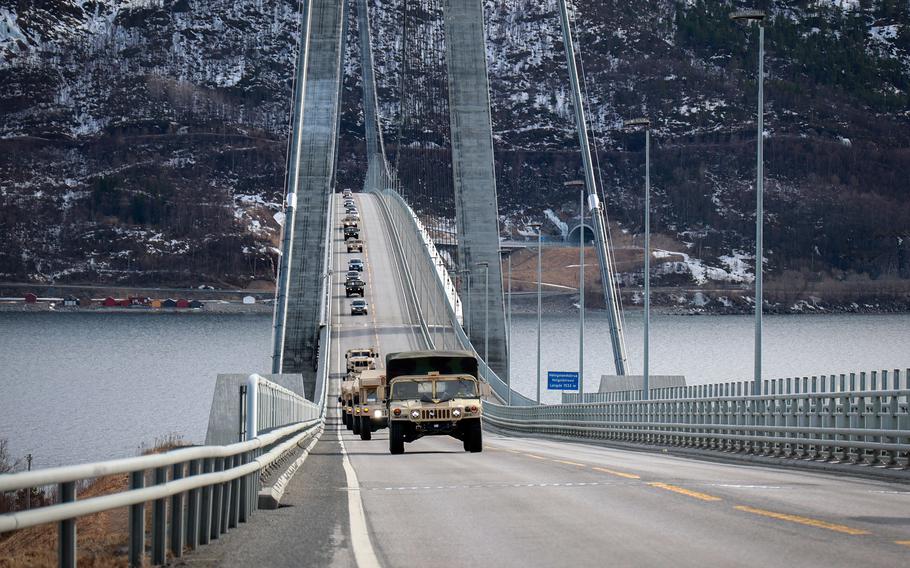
(226,509)
(137,522)
(177,514)
(192,511)
(217,501)
(66,539)
(205,527)
(243,513)
(159,522)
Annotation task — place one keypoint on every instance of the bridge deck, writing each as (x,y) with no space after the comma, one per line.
(526,501)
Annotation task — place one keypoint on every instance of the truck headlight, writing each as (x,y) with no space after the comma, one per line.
(377,414)
(456,413)
(415,414)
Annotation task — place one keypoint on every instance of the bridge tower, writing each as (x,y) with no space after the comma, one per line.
(476,207)
(311,170)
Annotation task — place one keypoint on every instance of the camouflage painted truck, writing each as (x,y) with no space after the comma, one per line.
(372,397)
(433,393)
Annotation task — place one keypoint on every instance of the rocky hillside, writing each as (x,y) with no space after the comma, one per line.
(144,140)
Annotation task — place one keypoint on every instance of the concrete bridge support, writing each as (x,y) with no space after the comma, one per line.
(312,174)
(473,169)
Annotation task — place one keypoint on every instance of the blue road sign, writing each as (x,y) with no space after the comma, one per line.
(562,380)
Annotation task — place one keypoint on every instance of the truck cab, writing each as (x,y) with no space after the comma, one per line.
(434,393)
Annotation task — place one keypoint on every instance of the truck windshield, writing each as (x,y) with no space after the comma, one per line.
(456,388)
(444,389)
(411,389)
(361,363)
(371,396)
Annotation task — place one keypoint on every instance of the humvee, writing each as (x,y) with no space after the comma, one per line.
(433,393)
(346,399)
(360,359)
(372,398)
(354,245)
(351,232)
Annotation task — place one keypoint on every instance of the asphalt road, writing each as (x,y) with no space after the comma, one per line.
(530,502)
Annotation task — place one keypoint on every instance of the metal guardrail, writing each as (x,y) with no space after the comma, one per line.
(270,405)
(418,245)
(862,418)
(208,489)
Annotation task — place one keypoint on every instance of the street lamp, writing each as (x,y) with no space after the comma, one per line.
(646,124)
(758,16)
(536,226)
(486,309)
(580,184)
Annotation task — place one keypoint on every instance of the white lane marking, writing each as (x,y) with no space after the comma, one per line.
(364,555)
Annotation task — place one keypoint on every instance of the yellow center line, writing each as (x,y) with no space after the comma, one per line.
(902,542)
(533,456)
(576,464)
(684,491)
(617,473)
(803,521)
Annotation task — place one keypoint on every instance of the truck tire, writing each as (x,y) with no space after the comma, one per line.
(344,417)
(365,432)
(349,421)
(396,438)
(356,421)
(473,438)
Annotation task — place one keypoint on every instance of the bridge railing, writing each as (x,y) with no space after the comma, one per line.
(196,493)
(422,257)
(860,418)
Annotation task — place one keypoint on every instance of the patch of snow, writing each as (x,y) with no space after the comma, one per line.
(560,224)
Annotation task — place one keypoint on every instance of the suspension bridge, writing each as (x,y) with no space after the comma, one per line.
(811,469)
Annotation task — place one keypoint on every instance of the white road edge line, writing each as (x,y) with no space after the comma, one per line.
(364,555)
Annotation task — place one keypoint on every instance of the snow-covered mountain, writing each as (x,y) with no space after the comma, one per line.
(144,140)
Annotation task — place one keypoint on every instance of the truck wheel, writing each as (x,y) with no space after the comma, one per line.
(356,421)
(350,420)
(396,438)
(365,432)
(473,439)
(344,418)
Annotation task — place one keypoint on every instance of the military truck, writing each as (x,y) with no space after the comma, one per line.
(345,399)
(360,359)
(433,393)
(372,396)
(354,287)
(354,245)
(351,232)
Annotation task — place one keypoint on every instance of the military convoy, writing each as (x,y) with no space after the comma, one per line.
(419,393)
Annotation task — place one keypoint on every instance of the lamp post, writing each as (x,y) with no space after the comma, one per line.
(536,226)
(758,16)
(580,184)
(466,313)
(486,309)
(646,383)
(508,254)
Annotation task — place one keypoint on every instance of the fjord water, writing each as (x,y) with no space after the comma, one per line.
(78,387)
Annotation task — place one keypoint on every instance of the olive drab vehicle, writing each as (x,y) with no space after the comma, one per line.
(433,393)
(373,400)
